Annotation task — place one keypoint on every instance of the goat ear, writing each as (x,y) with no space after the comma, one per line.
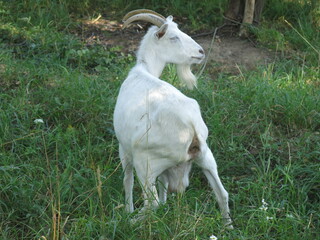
(162,31)
(169,18)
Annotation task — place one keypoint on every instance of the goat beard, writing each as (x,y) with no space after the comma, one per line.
(186,76)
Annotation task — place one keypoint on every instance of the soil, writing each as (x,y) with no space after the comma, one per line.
(227,52)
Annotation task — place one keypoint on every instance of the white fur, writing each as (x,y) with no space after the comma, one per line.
(160,130)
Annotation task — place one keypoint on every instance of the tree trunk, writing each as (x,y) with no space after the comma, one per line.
(243,13)
(234,11)
(247,18)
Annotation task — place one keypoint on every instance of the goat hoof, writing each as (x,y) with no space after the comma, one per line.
(138,218)
(228,224)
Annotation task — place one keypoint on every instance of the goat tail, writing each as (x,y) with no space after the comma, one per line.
(198,144)
(194,147)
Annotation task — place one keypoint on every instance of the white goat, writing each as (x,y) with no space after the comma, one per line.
(160,130)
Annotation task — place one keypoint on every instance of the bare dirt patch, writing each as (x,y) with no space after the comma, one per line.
(232,53)
(229,53)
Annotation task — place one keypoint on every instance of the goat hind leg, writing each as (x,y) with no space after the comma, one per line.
(209,167)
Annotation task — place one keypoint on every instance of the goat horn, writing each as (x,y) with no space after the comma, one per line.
(148,17)
(135,12)
(154,19)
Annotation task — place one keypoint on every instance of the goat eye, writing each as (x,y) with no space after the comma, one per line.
(174,39)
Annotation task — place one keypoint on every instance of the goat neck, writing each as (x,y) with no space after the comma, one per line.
(147,55)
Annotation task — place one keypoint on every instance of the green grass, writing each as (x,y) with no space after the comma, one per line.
(62,179)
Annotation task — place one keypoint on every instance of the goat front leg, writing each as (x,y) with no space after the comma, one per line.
(148,181)
(151,199)
(163,184)
(209,167)
(128,179)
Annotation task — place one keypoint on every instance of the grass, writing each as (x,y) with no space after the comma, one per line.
(61,179)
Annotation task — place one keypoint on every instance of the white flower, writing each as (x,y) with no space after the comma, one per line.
(213,237)
(37,121)
(264,206)
(269,218)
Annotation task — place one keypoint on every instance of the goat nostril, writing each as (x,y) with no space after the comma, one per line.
(201,51)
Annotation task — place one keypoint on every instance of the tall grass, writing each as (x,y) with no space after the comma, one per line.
(61,178)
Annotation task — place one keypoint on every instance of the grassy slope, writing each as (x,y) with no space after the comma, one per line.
(62,178)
